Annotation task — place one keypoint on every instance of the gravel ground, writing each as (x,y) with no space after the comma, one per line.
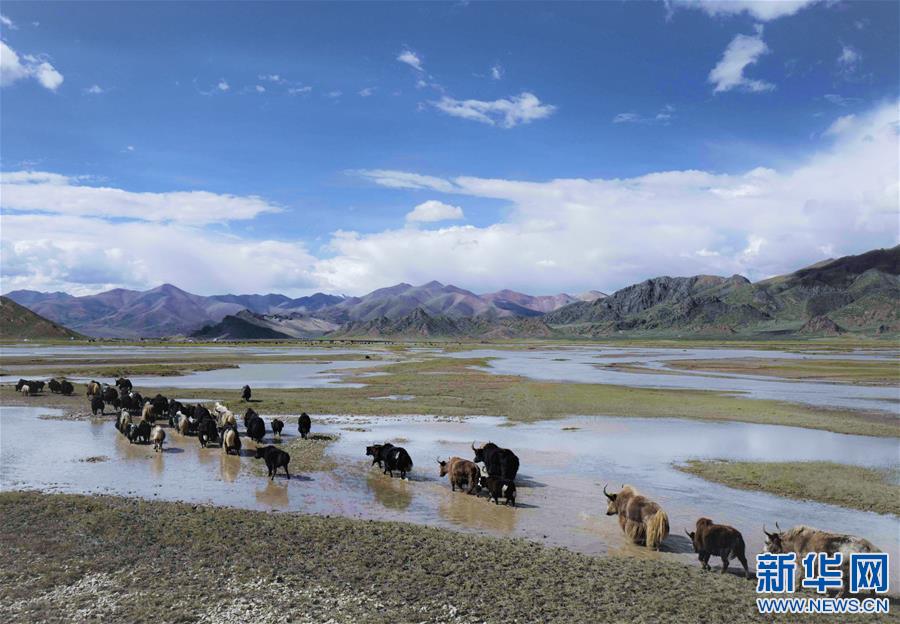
(67,558)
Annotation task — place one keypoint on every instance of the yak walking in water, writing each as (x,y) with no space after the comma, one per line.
(304,424)
(461,471)
(642,520)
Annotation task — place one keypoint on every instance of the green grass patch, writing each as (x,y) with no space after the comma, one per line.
(825,482)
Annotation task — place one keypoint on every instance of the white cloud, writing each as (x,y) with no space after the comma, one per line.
(299,90)
(743,50)
(94,90)
(334,94)
(274,78)
(762,10)
(433,210)
(8,22)
(13,68)
(840,100)
(30,191)
(555,235)
(848,61)
(506,112)
(406,180)
(841,125)
(85,255)
(367,92)
(607,233)
(260,89)
(663,117)
(497,71)
(223,85)
(412,59)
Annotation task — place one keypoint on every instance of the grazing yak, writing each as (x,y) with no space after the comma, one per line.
(175,410)
(124,383)
(246,393)
(231,441)
(34,386)
(160,405)
(304,424)
(25,389)
(207,431)
(461,471)
(390,458)
(718,540)
(158,436)
(93,388)
(499,462)
(110,395)
(139,432)
(97,406)
(804,539)
(54,386)
(275,458)
(642,520)
(183,424)
(66,387)
(123,422)
(500,488)
(379,452)
(256,429)
(249,415)
(277,426)
(148,413)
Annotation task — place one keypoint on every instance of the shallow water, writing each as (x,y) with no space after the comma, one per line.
(560,482)
(262,375)
(585,365)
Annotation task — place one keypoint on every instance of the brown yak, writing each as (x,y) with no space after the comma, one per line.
(718,540)
(642,520)
(803,539)
(461,471)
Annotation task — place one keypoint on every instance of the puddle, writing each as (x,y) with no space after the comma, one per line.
(581,366)
(559,485)
(394,397)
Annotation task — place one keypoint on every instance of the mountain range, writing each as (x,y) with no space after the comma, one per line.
(850,294)
(168,311)
(18,322)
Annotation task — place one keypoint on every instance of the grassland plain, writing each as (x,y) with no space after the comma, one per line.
(460,387)
(825,482)
(107,559)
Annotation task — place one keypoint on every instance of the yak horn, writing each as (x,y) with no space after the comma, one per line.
(686,532)
(766,532)
(607,494)
(777,527)
(473,446)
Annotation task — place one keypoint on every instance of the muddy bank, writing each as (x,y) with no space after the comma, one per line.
(170,562)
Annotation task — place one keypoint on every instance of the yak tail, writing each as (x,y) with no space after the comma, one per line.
(657,529)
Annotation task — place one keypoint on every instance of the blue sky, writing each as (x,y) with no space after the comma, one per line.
(548,147)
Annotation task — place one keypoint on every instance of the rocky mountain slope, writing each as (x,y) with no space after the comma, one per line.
(247,325)
(853,293)
(18,322)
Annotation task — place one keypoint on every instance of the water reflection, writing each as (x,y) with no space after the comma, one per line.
(390,493)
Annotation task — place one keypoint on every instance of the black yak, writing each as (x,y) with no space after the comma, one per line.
(275,458)
(500,488)
(499,462)
(304,424)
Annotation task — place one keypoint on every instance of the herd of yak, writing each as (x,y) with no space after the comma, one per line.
(642,520)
